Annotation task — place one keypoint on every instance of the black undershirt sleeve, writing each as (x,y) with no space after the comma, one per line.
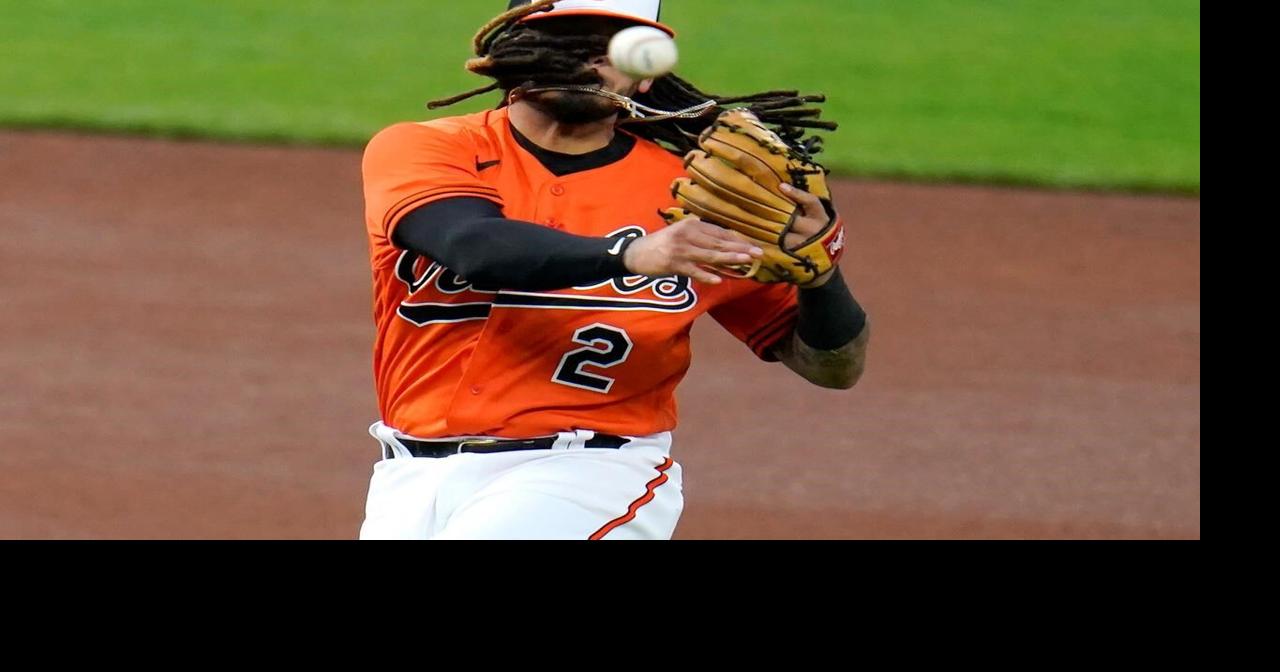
(470,237)
(830,317)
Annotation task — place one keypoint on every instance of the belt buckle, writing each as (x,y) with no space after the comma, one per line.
(475,442)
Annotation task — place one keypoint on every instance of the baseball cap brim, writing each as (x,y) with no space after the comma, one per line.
(599,12)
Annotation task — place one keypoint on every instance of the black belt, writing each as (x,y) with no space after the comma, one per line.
(447,448)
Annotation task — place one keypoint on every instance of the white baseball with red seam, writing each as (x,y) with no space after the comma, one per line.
(642,52)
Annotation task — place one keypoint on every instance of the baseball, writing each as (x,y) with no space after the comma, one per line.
(642,52)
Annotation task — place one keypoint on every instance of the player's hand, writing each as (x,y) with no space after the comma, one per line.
(681,248)
(813,218)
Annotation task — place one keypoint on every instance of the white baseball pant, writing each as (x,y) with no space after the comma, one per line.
(567,492)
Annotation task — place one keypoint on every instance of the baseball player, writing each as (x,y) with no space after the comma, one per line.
(533,308)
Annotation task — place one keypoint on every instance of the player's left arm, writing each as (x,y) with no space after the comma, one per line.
(828,346)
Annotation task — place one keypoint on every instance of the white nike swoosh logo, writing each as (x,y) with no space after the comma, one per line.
(617,247)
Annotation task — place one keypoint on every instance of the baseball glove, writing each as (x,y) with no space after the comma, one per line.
(735,181)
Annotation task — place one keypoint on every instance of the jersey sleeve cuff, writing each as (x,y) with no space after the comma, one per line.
(404,207)
(763,341)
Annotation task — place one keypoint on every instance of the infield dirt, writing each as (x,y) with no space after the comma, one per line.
(187,341)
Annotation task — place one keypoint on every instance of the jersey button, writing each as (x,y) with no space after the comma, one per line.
(476,389)
(557,190)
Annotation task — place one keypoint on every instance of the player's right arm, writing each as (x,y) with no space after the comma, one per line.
(423,192)
(471,237)
(680,248)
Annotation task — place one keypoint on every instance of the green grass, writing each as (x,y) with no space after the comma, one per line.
(1070,93)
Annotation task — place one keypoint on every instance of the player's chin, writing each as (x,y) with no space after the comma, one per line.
(571,107)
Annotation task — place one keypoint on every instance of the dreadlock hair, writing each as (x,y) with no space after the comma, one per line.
(516,55)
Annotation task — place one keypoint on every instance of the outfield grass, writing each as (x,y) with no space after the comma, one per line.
(1074,93)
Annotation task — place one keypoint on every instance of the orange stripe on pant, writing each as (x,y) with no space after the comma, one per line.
(647,497)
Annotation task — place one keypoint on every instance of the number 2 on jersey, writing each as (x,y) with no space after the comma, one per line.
(606,346)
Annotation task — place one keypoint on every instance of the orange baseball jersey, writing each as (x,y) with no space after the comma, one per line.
(450,360)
